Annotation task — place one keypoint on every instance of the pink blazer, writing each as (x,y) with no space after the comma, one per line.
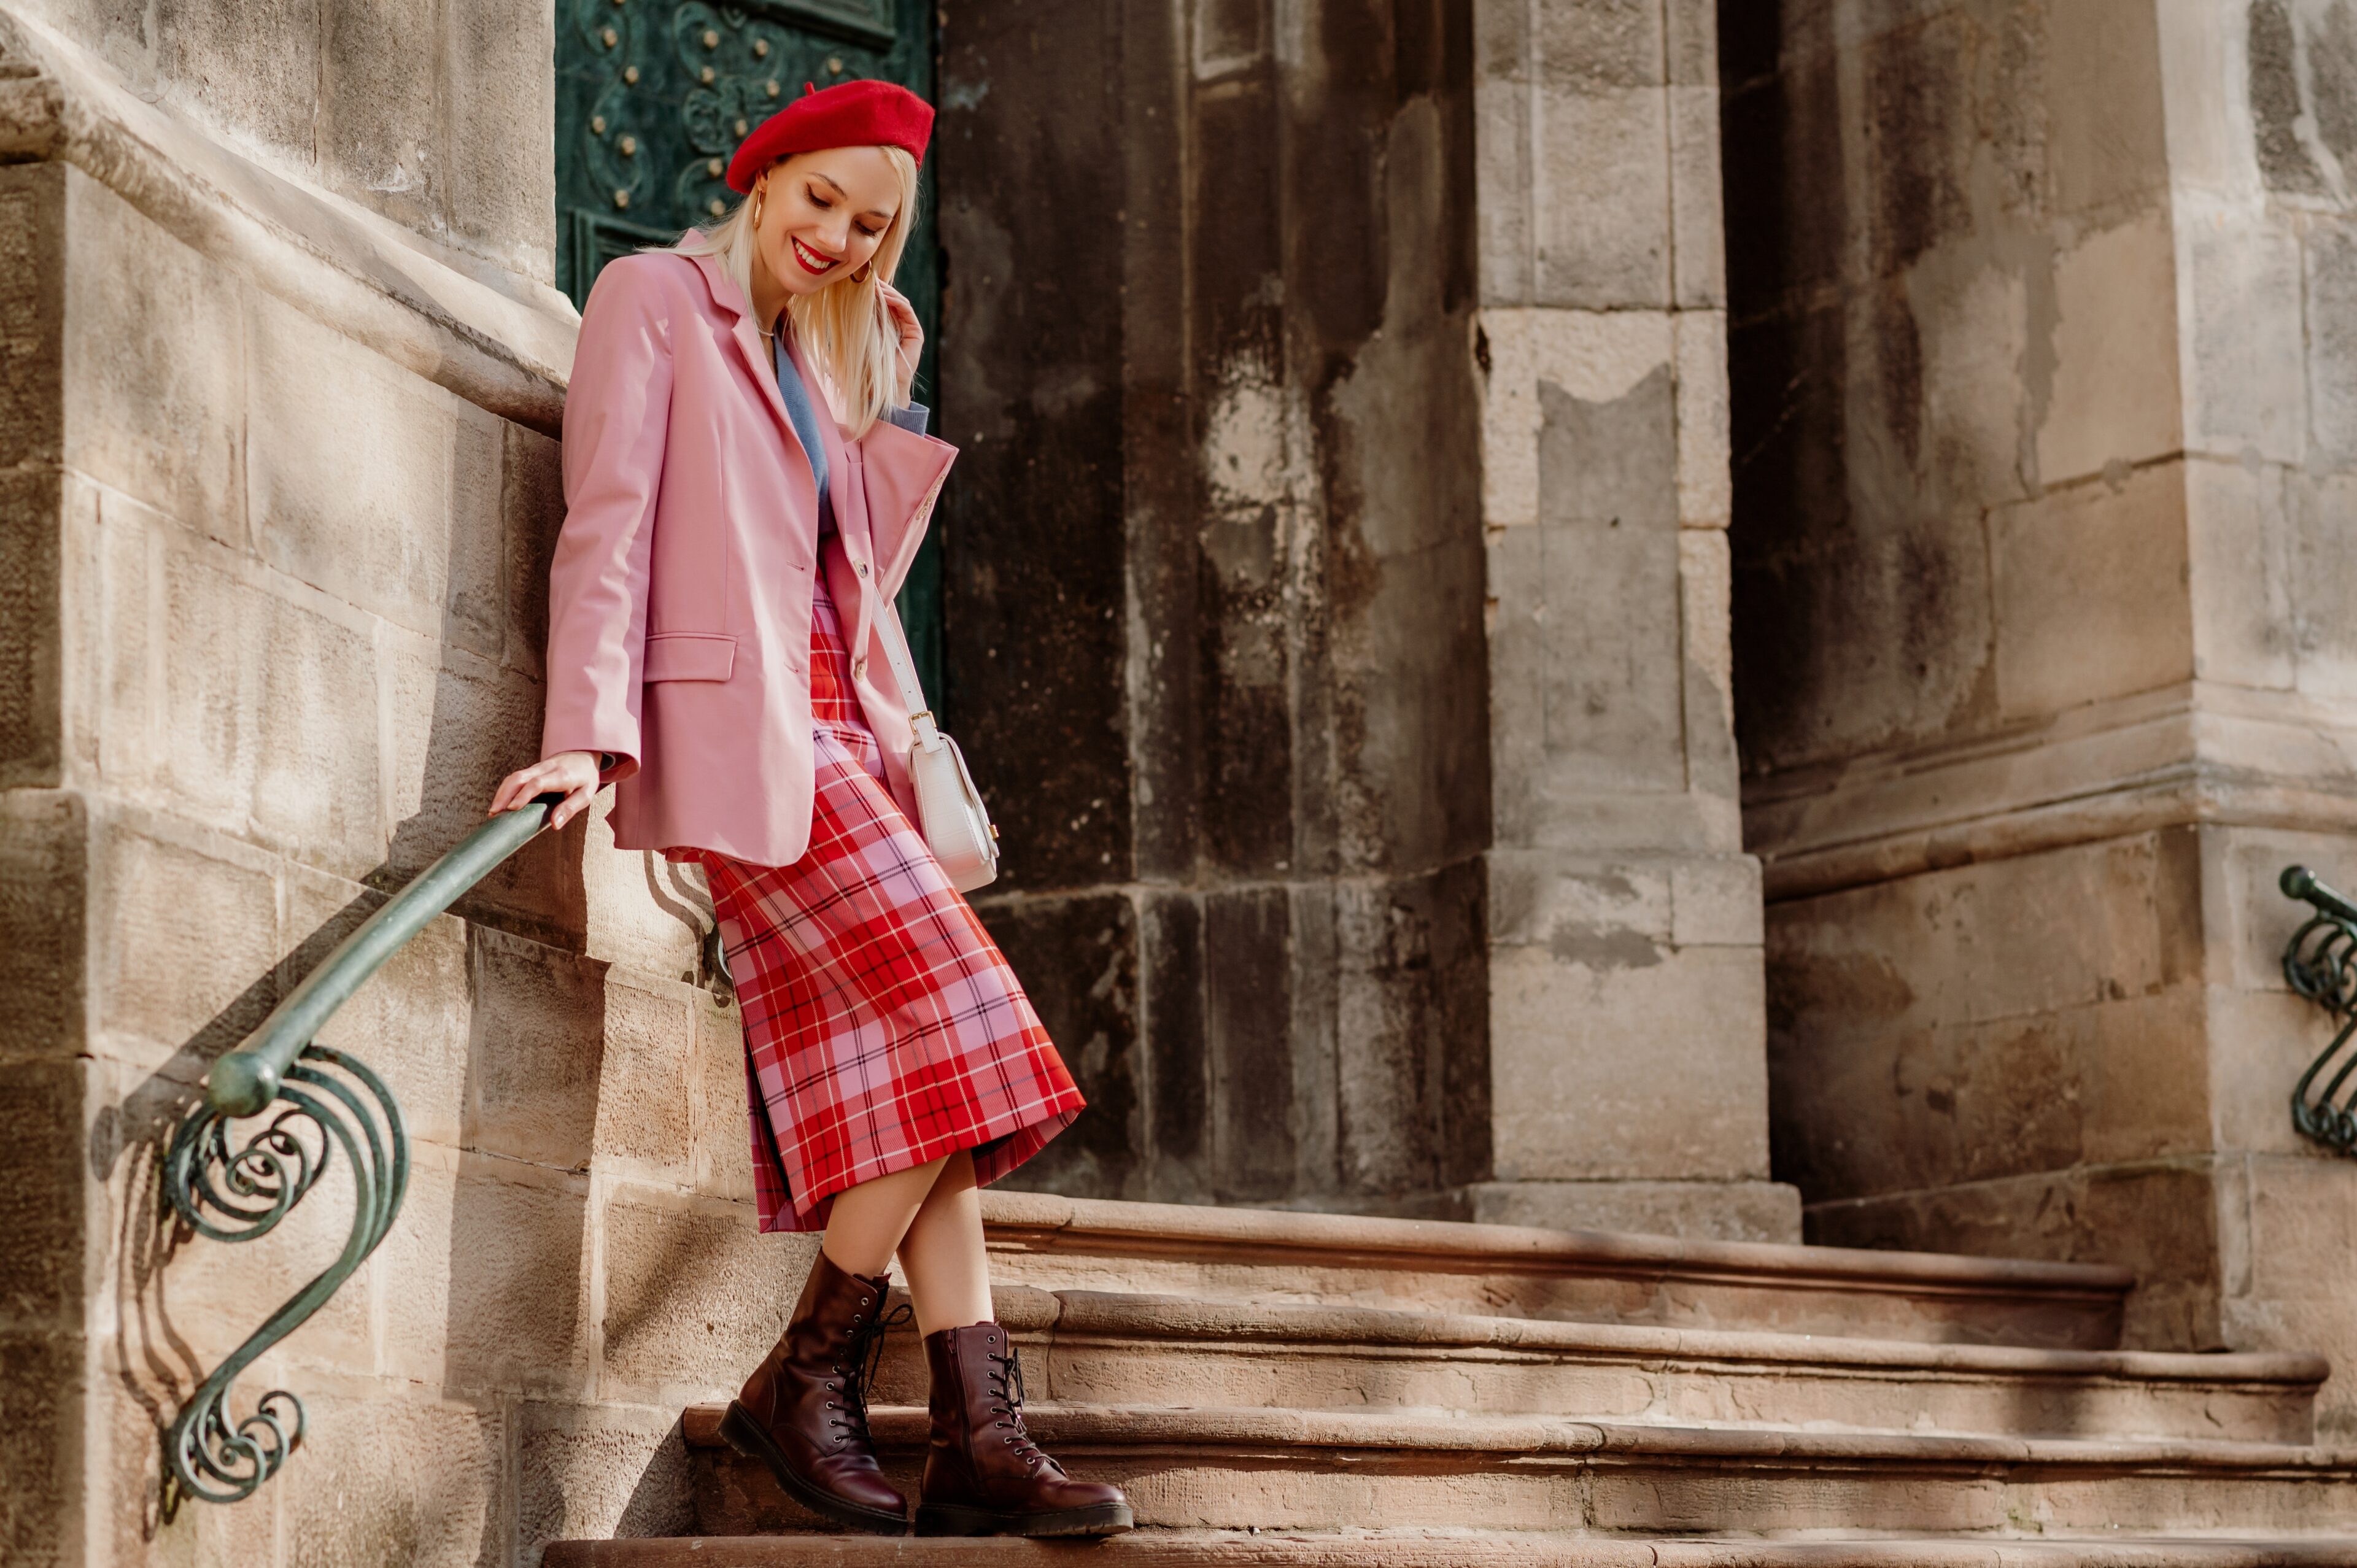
(679,619)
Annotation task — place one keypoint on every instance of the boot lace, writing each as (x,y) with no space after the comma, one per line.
(1007,1389)
(863,1353)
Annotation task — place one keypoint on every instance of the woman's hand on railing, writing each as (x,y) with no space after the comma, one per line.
(573,773)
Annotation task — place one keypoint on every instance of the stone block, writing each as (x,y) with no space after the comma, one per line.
(1705,484)
(2322,513)
(2159,1220)
(2331,298)
(723,1150)
(1170,960)
(1958,405)
(2090,590)
(1597,358)
(1408,1025)
(1248,1012)
(2244,388)
(44,1209)
(32,311)
(1690,40)
(540,1045)
(532,507)
(2288,1280)
(351,471)
(212,674)
(378,140)
(2259,598)
(1628,1065)
(1579,909)
(252,71)
(1913,170)
(157,414)
(498,103)
(644,1113)
(34,656)
(44,918)
(1697,223)
(1712,1210)
(486,1279)
(694,1294)
(395,1482)
(187,939)
(1602,211)
(1705,590)
(1503,155)
(1716,902)
(2021,938)
(1599,43)
(317,790)
(1586,665)
(42,1419)
(116,655)
(2108,137)
(2115,1081)
(2115,397)
(598,1472)
(1079,960)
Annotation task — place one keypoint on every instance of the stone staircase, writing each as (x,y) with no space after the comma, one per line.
(1275,1387)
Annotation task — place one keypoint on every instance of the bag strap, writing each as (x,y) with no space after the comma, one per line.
(904,671)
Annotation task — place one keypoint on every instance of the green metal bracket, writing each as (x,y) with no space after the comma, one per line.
(280,1074)
(2320,963)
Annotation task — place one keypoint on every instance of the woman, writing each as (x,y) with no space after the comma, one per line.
(746,483)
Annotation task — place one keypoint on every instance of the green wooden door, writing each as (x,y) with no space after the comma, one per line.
(652,96)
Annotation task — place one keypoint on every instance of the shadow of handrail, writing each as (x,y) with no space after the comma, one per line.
(237,1196)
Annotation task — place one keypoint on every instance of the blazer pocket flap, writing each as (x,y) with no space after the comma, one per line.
(689,656)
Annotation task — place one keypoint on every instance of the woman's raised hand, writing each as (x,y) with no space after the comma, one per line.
(573,773)
(902,315)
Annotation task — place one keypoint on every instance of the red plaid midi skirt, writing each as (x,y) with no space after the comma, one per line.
(883,1027)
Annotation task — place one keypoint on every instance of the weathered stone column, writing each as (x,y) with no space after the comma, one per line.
(1627,1071)
(2047,394)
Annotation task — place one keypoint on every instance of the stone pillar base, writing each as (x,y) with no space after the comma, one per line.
(1712,1211)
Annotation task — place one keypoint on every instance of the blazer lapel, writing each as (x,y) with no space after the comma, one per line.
(747,335)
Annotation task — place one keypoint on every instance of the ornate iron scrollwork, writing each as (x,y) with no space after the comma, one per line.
(2319,962)
(232,1181)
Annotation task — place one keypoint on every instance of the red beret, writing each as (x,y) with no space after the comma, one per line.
(848,114)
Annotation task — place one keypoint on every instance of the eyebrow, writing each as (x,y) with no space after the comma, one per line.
(871,212)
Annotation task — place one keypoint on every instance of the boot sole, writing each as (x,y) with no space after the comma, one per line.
(742,1432)
(1102,1519)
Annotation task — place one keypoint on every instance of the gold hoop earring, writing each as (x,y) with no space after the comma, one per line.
(759,191)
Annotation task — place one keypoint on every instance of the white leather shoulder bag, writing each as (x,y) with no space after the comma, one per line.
(950,812)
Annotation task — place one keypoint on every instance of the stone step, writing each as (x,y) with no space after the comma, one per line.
(1451,1549)
(1410,1470)
(1280,1257)
(1093,1348)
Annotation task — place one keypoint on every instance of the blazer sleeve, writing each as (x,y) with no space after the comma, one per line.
(617,418)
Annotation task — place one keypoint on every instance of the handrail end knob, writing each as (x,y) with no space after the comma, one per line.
(241,1084)
(2297,882)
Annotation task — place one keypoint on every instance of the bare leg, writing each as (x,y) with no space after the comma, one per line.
(868,1220)
(949,1273)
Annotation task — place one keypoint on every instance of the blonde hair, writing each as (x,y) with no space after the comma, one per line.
(843,328)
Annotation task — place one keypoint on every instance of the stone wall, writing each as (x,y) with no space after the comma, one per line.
(280,486)
(1215,582)
(1337,599)
(2045,458)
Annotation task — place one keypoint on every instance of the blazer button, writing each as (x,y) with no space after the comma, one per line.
(860,567)
(859,669)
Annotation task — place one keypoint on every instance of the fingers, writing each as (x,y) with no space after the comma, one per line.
(574,804)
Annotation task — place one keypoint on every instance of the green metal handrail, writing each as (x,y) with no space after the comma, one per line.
(2320,963)
(251,1189)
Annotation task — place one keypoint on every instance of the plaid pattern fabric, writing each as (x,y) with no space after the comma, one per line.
(883,1029)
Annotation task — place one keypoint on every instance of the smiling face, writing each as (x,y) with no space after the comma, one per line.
(825,214)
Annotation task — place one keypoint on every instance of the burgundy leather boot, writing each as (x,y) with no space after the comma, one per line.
(984,1476)
(803,1412)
